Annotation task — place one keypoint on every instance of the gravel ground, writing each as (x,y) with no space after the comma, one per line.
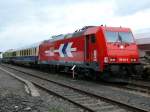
(58,103)
(110,92)
(16,103)
(13,98)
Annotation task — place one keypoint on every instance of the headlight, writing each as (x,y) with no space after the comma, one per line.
(133,59)
(105,59)
(112,59)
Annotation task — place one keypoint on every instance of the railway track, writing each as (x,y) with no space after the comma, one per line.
(132,88)
(85,100)
(139,86)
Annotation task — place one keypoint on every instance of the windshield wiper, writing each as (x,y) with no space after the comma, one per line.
(120,38)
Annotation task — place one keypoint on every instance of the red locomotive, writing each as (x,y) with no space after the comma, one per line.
(94,50)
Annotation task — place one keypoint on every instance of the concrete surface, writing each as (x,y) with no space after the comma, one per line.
(30,88)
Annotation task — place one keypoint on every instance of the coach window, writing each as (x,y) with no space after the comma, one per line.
(93,38)
(27,52)
(30,52)
(23,52)
(34,51)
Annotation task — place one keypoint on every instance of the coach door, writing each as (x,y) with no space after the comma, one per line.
(89,47)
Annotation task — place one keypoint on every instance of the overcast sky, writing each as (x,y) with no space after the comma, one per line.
(23,22)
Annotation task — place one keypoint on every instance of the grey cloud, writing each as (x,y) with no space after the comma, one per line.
(128,7)
(15,11)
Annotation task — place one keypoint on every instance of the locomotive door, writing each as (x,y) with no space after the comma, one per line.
(89,48)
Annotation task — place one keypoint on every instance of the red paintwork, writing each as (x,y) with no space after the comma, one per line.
(103,48)
(77,56)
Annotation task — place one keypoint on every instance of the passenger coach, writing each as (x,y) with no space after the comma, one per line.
(26,55)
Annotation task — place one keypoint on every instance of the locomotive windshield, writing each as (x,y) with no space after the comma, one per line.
(119,37)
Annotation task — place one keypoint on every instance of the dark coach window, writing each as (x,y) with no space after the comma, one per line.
(93,38)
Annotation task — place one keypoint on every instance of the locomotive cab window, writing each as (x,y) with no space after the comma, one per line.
(93,38)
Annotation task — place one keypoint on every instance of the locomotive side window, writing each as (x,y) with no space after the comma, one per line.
(87,46)
(93,38)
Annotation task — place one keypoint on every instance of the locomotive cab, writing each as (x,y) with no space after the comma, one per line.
(121,47)
(122,54)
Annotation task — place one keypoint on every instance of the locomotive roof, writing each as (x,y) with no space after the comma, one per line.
(85,31)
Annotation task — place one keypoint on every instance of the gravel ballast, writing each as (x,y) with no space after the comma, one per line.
(13,98)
